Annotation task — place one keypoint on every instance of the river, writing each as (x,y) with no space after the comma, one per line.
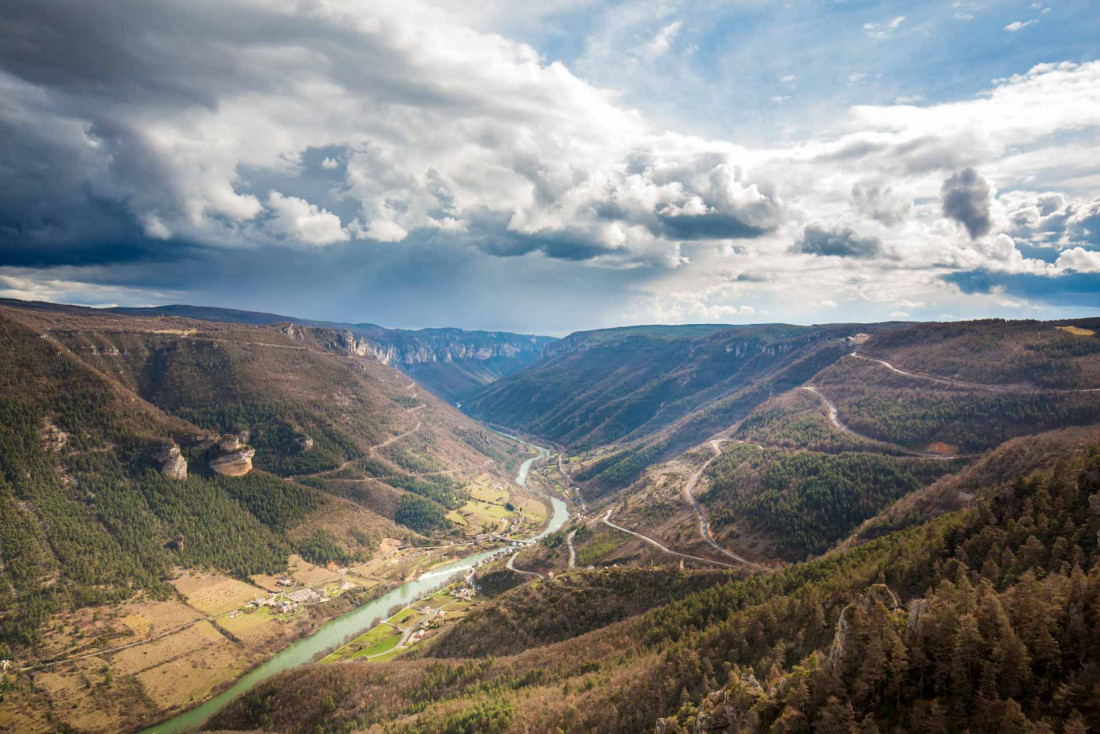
(355,622)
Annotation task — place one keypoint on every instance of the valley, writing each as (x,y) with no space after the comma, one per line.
(706,547)
(577,367)
(847,499)
(340,465)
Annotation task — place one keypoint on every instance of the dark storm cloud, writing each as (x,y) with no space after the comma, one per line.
(817,239)
(709,227)
(1070,289)
(489,232)
(966,197)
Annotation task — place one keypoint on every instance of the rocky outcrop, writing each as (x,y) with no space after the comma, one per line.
(172,463)
(875,594)
(917,609)
(304,443)
(235,463)
(231,442)
(397,348)
(728,709)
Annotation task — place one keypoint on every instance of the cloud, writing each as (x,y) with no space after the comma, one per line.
(156,229)
(1018,25)
(881,203)
(1084,224)
(663,41)
(1070,290)
(298,219)
(1079,260)
(819,239)
(256,142)
(879,31)
(966,197)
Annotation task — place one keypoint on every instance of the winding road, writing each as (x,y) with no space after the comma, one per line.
(700,512)
(835,420)
(973,385)
(373,451)
(661,546)
(512,567)
(580,497)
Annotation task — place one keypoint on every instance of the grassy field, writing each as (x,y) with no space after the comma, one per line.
(379,639)
(252,628)
(213,593)
(487,506)
(381,643)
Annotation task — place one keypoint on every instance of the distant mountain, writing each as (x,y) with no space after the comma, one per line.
(672,384)
(643,394)
(452,363)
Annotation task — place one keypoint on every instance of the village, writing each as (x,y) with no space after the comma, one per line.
(410,626)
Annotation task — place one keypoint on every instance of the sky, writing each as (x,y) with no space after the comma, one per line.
(555,166)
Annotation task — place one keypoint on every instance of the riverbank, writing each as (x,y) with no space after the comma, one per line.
(354,623)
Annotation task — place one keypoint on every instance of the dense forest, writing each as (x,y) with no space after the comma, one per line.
(984,619)
(915,412)
(807,500)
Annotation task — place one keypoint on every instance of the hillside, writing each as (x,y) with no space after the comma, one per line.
(656,389)
(633,397)
(805,467)
(452,363)
(156,471)
(981,619)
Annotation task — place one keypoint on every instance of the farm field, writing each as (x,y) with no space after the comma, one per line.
(212,593)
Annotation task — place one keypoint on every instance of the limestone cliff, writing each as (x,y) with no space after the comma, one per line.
(236,463)
(172,463)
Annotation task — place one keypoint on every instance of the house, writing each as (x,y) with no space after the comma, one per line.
(304,596)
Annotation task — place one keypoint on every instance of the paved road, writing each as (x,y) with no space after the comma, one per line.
(512,567)
(661,546)
(704,523)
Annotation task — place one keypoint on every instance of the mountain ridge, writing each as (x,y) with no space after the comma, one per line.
(473,357)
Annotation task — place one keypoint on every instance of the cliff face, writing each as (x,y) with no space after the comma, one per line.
(236,463)
(452,363)
(172,463)
(442,346)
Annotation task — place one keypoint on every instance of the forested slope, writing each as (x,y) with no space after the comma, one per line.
(983,619)
(93,508)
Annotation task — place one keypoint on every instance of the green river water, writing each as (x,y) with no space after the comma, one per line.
(352,624)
